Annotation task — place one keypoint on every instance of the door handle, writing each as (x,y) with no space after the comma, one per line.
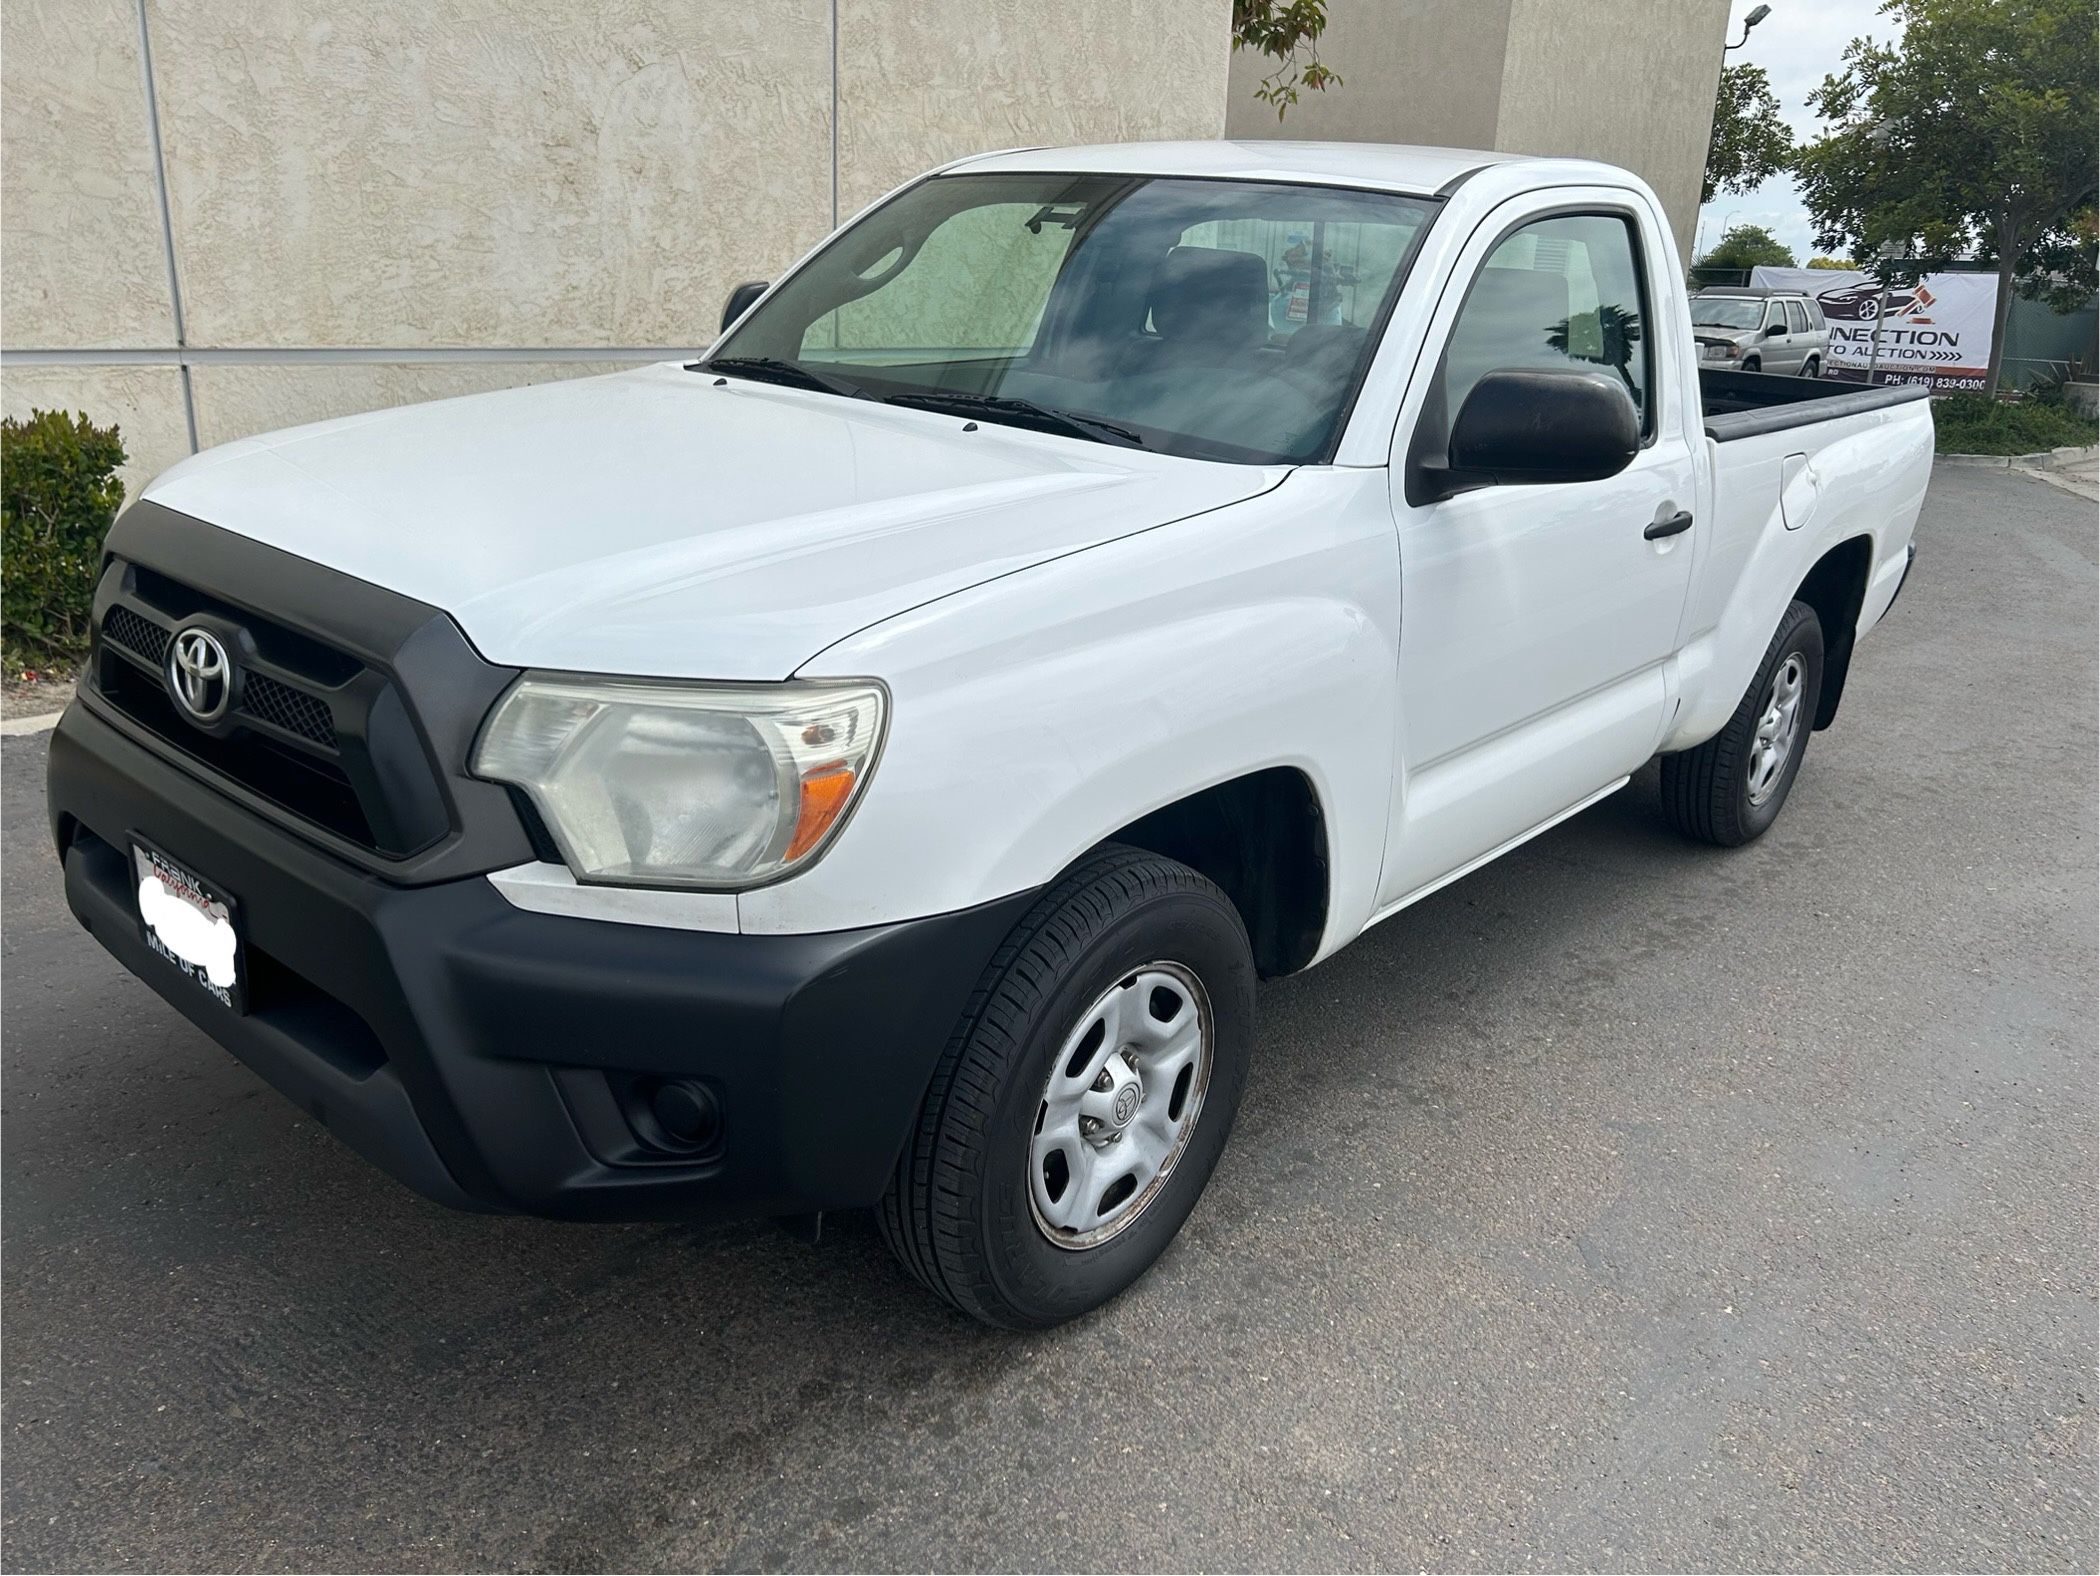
(1680,521)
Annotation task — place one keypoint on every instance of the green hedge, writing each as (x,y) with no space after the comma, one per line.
(58,494)
(1978,424)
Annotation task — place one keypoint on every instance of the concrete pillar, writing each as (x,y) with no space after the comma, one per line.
(1628,81)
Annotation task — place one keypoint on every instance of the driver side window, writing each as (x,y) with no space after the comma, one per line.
(1561,291)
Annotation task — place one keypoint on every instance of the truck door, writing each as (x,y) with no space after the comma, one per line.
(1537,621)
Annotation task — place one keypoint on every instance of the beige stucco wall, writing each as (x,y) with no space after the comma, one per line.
(496,178)
(931,80)
(379,175)
(81,261)
(1423,71)
(1628,81)
(1631,82)
(491,176)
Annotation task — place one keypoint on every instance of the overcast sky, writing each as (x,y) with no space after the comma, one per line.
(1799,44)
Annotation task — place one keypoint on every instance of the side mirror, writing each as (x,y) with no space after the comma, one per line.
(1531,425)
(740,299)
(1774,330)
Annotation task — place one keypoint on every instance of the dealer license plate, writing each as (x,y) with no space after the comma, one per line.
(192,925)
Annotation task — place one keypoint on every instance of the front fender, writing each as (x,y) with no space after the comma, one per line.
(1038,714)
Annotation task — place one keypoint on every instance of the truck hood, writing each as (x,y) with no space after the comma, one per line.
(661,523)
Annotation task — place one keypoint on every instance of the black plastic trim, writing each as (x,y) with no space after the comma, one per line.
(1778,403)
(1910,560)
(1451,186)
(406,725)
(483,1054)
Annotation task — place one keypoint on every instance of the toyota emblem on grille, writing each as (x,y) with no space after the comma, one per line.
(200,674)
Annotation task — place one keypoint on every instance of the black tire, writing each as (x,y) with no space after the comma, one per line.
(1752,364)
(1812,367)
(1707,791)
(958,1213)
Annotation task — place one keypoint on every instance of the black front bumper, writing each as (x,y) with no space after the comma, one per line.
(493,1058)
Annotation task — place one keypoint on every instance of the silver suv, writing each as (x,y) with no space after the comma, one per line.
(1747,329)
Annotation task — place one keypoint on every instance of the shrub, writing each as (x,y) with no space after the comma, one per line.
(58,494)
(1978,424)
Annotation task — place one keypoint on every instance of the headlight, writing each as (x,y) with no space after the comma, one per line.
(685,785)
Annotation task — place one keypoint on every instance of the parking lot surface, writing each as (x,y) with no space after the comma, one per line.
(1626,1205)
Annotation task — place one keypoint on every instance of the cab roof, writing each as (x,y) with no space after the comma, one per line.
(1383,166)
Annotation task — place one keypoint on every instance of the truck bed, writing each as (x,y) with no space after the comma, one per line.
(1744,404)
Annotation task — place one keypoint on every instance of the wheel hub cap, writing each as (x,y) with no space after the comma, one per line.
(1119,1105)
(1778,727)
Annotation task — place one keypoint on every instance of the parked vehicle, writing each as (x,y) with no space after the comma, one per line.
(1756,330)
(870,767)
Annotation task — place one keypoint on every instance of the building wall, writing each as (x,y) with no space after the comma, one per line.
(390,200)
(1628,81)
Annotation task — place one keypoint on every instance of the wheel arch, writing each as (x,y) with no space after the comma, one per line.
(1836,588)
(1262,838)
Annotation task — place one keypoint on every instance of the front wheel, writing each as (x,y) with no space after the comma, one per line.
(1752,364)
(1083,1101)
(1730,789)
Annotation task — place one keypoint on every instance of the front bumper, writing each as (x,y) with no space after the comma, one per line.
(492,1058)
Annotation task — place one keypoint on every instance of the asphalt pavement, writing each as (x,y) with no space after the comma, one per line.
(1626,1205)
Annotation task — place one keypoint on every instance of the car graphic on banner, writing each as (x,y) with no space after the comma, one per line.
(1936,332)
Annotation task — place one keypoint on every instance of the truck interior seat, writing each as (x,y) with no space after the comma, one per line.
(1211,305)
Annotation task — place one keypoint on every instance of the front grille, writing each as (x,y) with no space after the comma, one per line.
(135,634)
(294,710)
(314,788)
(268,700)
(314,731)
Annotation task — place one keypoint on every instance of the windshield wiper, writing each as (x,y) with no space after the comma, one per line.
(771,369)
(1022,412)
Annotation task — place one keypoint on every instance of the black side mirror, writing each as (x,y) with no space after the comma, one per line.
(740,299)
(1774,330)
(1530,425)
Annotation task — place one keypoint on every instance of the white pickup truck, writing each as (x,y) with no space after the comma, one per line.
(870,766)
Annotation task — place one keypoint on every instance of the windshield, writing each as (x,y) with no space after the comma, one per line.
(1218,319)
(1727,312)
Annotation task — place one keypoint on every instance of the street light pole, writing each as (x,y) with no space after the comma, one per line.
(1757,15)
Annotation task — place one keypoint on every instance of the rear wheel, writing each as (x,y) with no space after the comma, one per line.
(1081,1106)
(1811,368)
(1731,788)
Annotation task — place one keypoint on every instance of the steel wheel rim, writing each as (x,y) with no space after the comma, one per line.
(1778,727)
(1119,1106)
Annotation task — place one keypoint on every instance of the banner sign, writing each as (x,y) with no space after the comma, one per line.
(1937,331)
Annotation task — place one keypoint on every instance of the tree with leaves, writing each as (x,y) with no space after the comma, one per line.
(1973,136)
(1830,262)
(1746,246)
(1750,142)
(1287,32)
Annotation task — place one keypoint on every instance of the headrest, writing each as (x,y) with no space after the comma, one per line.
(1206,294)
